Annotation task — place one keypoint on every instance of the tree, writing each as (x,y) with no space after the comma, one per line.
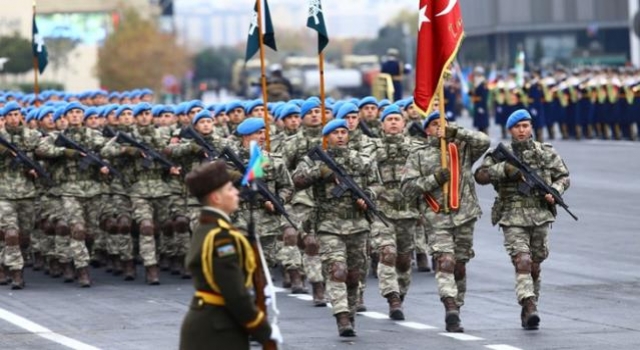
(18,51)
(216,64)
(59,49)
(137,54)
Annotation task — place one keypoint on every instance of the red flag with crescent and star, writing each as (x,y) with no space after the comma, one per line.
(440,33)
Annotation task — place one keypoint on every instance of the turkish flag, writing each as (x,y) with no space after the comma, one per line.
(440,33)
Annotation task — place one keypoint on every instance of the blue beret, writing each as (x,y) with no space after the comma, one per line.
(297,101)
(201,115)
(383,103)
(108,109)
(125,94)
(181,108)
(168,109)
(392,109)
(433,116)
(289,109)
(141,107)
(121,109)
(407,102)
(114,94)
(251,105)
(9,107)
(58,113)
(250,126)
(345,109)
(233,105)
(44,111)
(354,100)
(31,115)
(135,93)
(146,91)
(308,105)
(157,110)
(89,112)
(99,93)
(193,104)
(329,100)
(517,116)
(73,105)
(336,107)
(369,100)
(333,125)
(221,108)
(211,108)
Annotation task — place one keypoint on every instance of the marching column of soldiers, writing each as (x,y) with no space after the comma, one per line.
(97,179)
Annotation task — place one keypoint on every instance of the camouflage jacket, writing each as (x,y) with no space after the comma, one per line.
(375,125)
(361,142)
(16,183)
(512,208)
(279,140)
(419,178)
(112,151)
(339,215)
(391,155)
(279,182)
(66,172)
(146,182)
(294,149)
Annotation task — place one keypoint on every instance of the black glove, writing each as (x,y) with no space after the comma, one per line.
(512,172)
(442,176)
(71,153)
(325,172)
(450,132)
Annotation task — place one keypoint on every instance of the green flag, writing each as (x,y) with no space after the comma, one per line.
(268,38)
(316,22)
(39,49)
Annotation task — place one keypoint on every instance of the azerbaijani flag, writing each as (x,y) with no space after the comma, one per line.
(256,164)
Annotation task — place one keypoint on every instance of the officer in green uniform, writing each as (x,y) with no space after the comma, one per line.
(222,313)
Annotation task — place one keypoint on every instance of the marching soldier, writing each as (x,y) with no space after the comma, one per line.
(368,107)
(480,99)
(451,229)
(525,219)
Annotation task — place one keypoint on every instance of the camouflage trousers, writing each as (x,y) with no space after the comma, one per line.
(77,212)
(100,237)
(457,243)
(394,245)
(271,246)
(343,255)
(48,211)
(534,242)
(121,243)
(174,244)
(311,262)
(17,218)
(156,211)
(420,240)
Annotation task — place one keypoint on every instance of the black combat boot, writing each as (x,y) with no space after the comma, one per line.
(452,316)
(318,294)
(83,277)
(345,328)
(67,273)
(17,282)
(152,275)
(529,315)
(3,276)
(129,270)
(38,261)
(395,306)
(297,286)
(375,258)
(55,270)
(118,269)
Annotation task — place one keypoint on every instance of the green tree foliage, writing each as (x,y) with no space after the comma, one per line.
(215,64)
(18,51)
(137,54)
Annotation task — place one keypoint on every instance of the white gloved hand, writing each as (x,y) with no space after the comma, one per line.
(269,294)
(534,112)
(481,110)
(275,334)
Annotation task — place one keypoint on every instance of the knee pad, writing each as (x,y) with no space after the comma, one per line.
(290,237)
(522,262)
(181,224)
(167,228)
(460,271)
(353,278)
(446,263)
(62,229)
(111,226)
(388,255)
(12,237)
(535,270)
(311,246)
(403,263)
(146,228)
(338,272)
(124,225)
(79,233)
(49,228)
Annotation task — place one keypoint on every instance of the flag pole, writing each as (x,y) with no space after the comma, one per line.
(36,88)
(323,107)
(443,145)
(263,77)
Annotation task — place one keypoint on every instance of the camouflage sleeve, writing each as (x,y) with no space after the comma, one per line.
(559,172)
(478,142)
(414,182)
(47,148)
(284,183)
(306,174)
(181,149)
(374,179)
(490,171)
(112,149)
(97,141)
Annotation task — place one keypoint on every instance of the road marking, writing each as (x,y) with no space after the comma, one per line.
(461,336)
(374,315)
(501,347)
(279,289)
(305,297)
(415,325)
(43,332)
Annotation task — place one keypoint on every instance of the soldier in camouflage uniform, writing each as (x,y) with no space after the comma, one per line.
(369,114)
(289,114)
(303,207)
(116,214)
(450,229)
(17,195)
(394,244)
(149,191)
(78,191)
(278,239)
(342,227)
(525,219)
(235,112)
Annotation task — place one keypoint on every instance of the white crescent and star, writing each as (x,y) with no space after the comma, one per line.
(449,8)
(422,16)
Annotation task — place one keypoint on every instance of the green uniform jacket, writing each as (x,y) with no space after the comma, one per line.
(223,314)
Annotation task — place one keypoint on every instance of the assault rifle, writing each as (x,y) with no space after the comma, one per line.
(210,152)
(415,129)
(366,129)
(232,157)
(531,180)
(108,132)
(27,162)
(345,182)
(150,155)
(89,158)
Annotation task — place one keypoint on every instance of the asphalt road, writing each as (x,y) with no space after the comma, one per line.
(589,295)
